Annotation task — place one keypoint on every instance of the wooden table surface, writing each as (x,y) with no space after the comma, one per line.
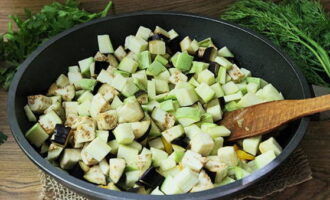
(19,178)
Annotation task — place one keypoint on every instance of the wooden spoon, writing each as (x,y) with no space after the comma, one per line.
(263,118)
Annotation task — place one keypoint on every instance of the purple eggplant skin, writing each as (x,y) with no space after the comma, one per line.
(99,65)
(212,175)
(214,67)
(182,141)
(173,45)
(150,178)
(76,171)
(97,87)
(61,134)
(158,36)
(209,53)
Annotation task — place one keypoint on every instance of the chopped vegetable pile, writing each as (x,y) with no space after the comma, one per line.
(143,117)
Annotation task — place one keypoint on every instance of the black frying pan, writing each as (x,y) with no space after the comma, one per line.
(251,50)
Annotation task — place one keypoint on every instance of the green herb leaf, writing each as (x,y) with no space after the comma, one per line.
(3,137)
(300,27)
(54,18)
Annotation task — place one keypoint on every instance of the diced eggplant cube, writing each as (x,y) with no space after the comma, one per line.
(48,121)
(54,151)
(67,93)
(202,143)
(39,103)
(29,114)
(233,97)
(193,160)
(105,45)
(130,112)
(214,108)
(264,159)
(36,135)
(107,120)
(270,144)
(98,149)
(124,133)
(173,133)
(251,144)
(218,143)
(159,30)
(228,155)
(169,186)
(95,175)
(163,119)
(157,47)
(120,53)
(127,153)
(177,76)
(62,81)
(117,167)
(70,158)
(135,44)
(186,179)
(204,183)
(98,105)
(84,133)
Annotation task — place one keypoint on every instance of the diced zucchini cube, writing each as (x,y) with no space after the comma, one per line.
(202,144)
(167,105)
(87,84)
(184,61)
(188,115)
(105,45)
(192,130)
(218,143)
(156,143)
(173,133)
(231,106)
(84,108)
(167,164)
(264,159)
(158,156)
(251,144)
(215,131)
(206,76)
(270,145)
(233,97)
(135,44)
(269,93)
(144,59)
(186,96)
(29,114)
(173,34)
(151,88)
(62,81)
(124,133)
(205,92)
(223,62)
(228,155)
(249,99)
(198,67)
(230,88)
(129,88)
(157,47)
(36,135)
(155,68)
(216,87)
(193,160)
(213,108)
(128,65)
(161,59)
(85,65)
(225,52)
(221,78)
(143,33)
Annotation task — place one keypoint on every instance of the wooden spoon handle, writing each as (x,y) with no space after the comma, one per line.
(266,117)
